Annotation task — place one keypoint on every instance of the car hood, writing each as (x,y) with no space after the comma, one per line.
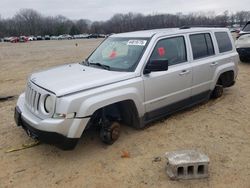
(71,78)
(243,41)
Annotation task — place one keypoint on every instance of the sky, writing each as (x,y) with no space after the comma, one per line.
(101,10)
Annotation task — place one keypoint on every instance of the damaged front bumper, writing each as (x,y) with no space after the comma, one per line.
(61,132)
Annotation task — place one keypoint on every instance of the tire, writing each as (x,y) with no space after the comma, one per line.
(110,133)
(217,92)
(243,59)
(68,144)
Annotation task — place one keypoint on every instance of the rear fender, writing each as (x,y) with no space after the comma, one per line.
(222,69)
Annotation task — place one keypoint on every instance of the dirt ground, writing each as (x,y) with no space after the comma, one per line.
(220,128)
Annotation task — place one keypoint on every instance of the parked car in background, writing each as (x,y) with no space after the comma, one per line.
(81,36)
(234,29)
(54,38)
(14,39)
(131,78)
(245,30)
(93,36)
(31,38)
(243,47)
(23,39)
(102,36)
(65,36)
(243,43)
(7,39)
(39,37)
(47,37)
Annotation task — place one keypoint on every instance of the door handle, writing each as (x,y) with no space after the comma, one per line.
(184,72)
(214,64)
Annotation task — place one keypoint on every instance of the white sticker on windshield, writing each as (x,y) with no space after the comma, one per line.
(136,42)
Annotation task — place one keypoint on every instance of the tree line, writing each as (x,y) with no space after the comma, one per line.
(30,22)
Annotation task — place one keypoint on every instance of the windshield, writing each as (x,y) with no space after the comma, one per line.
(118,54)
(247,27)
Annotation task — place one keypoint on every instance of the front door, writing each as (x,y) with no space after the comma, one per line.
(165,91)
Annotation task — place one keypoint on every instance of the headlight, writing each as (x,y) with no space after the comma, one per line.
(48,104)
(64,116)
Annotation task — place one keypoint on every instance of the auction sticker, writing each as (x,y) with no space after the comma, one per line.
(136,42)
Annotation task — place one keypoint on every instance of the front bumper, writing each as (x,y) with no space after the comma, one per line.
(44,136)
(55,131)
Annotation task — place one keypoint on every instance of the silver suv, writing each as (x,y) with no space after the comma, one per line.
(131,78)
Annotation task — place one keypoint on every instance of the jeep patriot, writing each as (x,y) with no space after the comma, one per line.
(131,78)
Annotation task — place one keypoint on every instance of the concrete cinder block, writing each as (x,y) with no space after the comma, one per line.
(187,164)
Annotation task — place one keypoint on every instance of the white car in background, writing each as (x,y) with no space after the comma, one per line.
(243,43)
(31,38)
(54,38)
(245,29)
(81,36)
(7,39)
(65,36)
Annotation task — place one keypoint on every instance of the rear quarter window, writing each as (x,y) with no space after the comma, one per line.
(224,42)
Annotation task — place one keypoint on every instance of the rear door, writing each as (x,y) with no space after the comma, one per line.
(204,64)
(164,89)
(226,54)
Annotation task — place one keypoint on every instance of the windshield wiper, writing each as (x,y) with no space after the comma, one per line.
(101,65)
(85,62)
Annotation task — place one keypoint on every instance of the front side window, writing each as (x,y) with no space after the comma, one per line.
(223,41)
(171,49)
(202,45)
(118,54)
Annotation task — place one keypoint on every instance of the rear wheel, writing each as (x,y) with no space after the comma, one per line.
(110,132)
(217,92)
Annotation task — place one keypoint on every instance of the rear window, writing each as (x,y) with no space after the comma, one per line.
(247,27)
(202,45)
(223,41)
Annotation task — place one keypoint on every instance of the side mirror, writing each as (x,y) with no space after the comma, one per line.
(156,65)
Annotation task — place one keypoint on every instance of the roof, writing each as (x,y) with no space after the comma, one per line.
(165,31)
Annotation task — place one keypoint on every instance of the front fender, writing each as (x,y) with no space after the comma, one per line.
(90,105)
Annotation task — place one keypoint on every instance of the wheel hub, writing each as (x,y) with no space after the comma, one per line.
(115,133)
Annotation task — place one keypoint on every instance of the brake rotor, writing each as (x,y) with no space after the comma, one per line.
(115,129)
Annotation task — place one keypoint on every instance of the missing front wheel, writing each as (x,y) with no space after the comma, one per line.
(110,133)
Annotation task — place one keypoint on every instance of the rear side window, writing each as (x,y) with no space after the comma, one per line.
(223,41)
(171,49)
(202,45)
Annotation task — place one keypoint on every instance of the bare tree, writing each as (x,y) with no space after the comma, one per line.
(30,22)
(83,25)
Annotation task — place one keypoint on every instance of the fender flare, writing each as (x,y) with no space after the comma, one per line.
(220,70)
(89,106)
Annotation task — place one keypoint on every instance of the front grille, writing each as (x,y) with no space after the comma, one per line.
(32,98)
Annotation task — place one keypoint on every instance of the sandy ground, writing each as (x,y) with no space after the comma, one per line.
(220,128)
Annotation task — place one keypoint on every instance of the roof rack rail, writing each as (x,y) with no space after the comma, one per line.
(190,26)
(184,27)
